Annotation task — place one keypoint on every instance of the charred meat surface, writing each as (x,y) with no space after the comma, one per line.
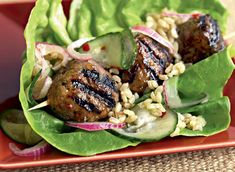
(199,38)
(152,60)
(80,93)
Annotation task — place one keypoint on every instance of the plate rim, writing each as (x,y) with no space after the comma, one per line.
(110,156)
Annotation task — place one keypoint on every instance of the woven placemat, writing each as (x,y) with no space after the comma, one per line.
(209,160)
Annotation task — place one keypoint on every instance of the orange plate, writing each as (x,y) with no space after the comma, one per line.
(12,19)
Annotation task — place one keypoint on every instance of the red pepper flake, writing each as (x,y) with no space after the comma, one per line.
(77,115)
(163,114)
(69,106)
(86,47)
(195,15)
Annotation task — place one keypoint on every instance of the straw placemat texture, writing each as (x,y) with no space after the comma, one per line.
(209,160)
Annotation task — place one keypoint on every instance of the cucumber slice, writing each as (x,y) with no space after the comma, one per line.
(148,128)
(15,125)
(29,90)
(117,49)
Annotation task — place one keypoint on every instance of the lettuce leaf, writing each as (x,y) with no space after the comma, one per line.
(49,127)
(217,116)
(209,76)
(58,23)
(94,18)
(77,142)
(47,23)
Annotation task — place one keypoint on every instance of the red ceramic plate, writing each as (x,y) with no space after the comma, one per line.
(12,19)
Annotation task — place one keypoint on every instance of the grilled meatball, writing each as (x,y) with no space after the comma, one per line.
(199,38)
(152,60)
(80,93)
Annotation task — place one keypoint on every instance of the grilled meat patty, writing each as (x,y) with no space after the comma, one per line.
(152,60)
(199,38)
(80,93)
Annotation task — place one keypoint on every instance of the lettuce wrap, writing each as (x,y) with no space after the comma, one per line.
(48,23)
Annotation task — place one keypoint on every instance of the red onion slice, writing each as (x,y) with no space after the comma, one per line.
(77,44)
(46,48)
(37,150)
(95,126)
(45,88)
(154,35)
(43,49)
(40,63)
(83,57)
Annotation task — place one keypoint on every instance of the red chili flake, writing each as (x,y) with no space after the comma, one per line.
(86,47)
(77,115)
(195,15)
(163,113)
(103,48)
(69,106)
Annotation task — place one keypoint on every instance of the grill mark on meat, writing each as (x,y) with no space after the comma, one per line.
(150,60)
(149,52)
(199,38)
(105,97)
(109,82)
(87,105)
(158,53)
(213,32)
(99,87)
(82,103)
(104,80)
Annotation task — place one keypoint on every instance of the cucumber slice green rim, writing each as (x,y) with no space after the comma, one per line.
(15,126)
(151,131)
(129,49)
(115,49)
(29,90)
